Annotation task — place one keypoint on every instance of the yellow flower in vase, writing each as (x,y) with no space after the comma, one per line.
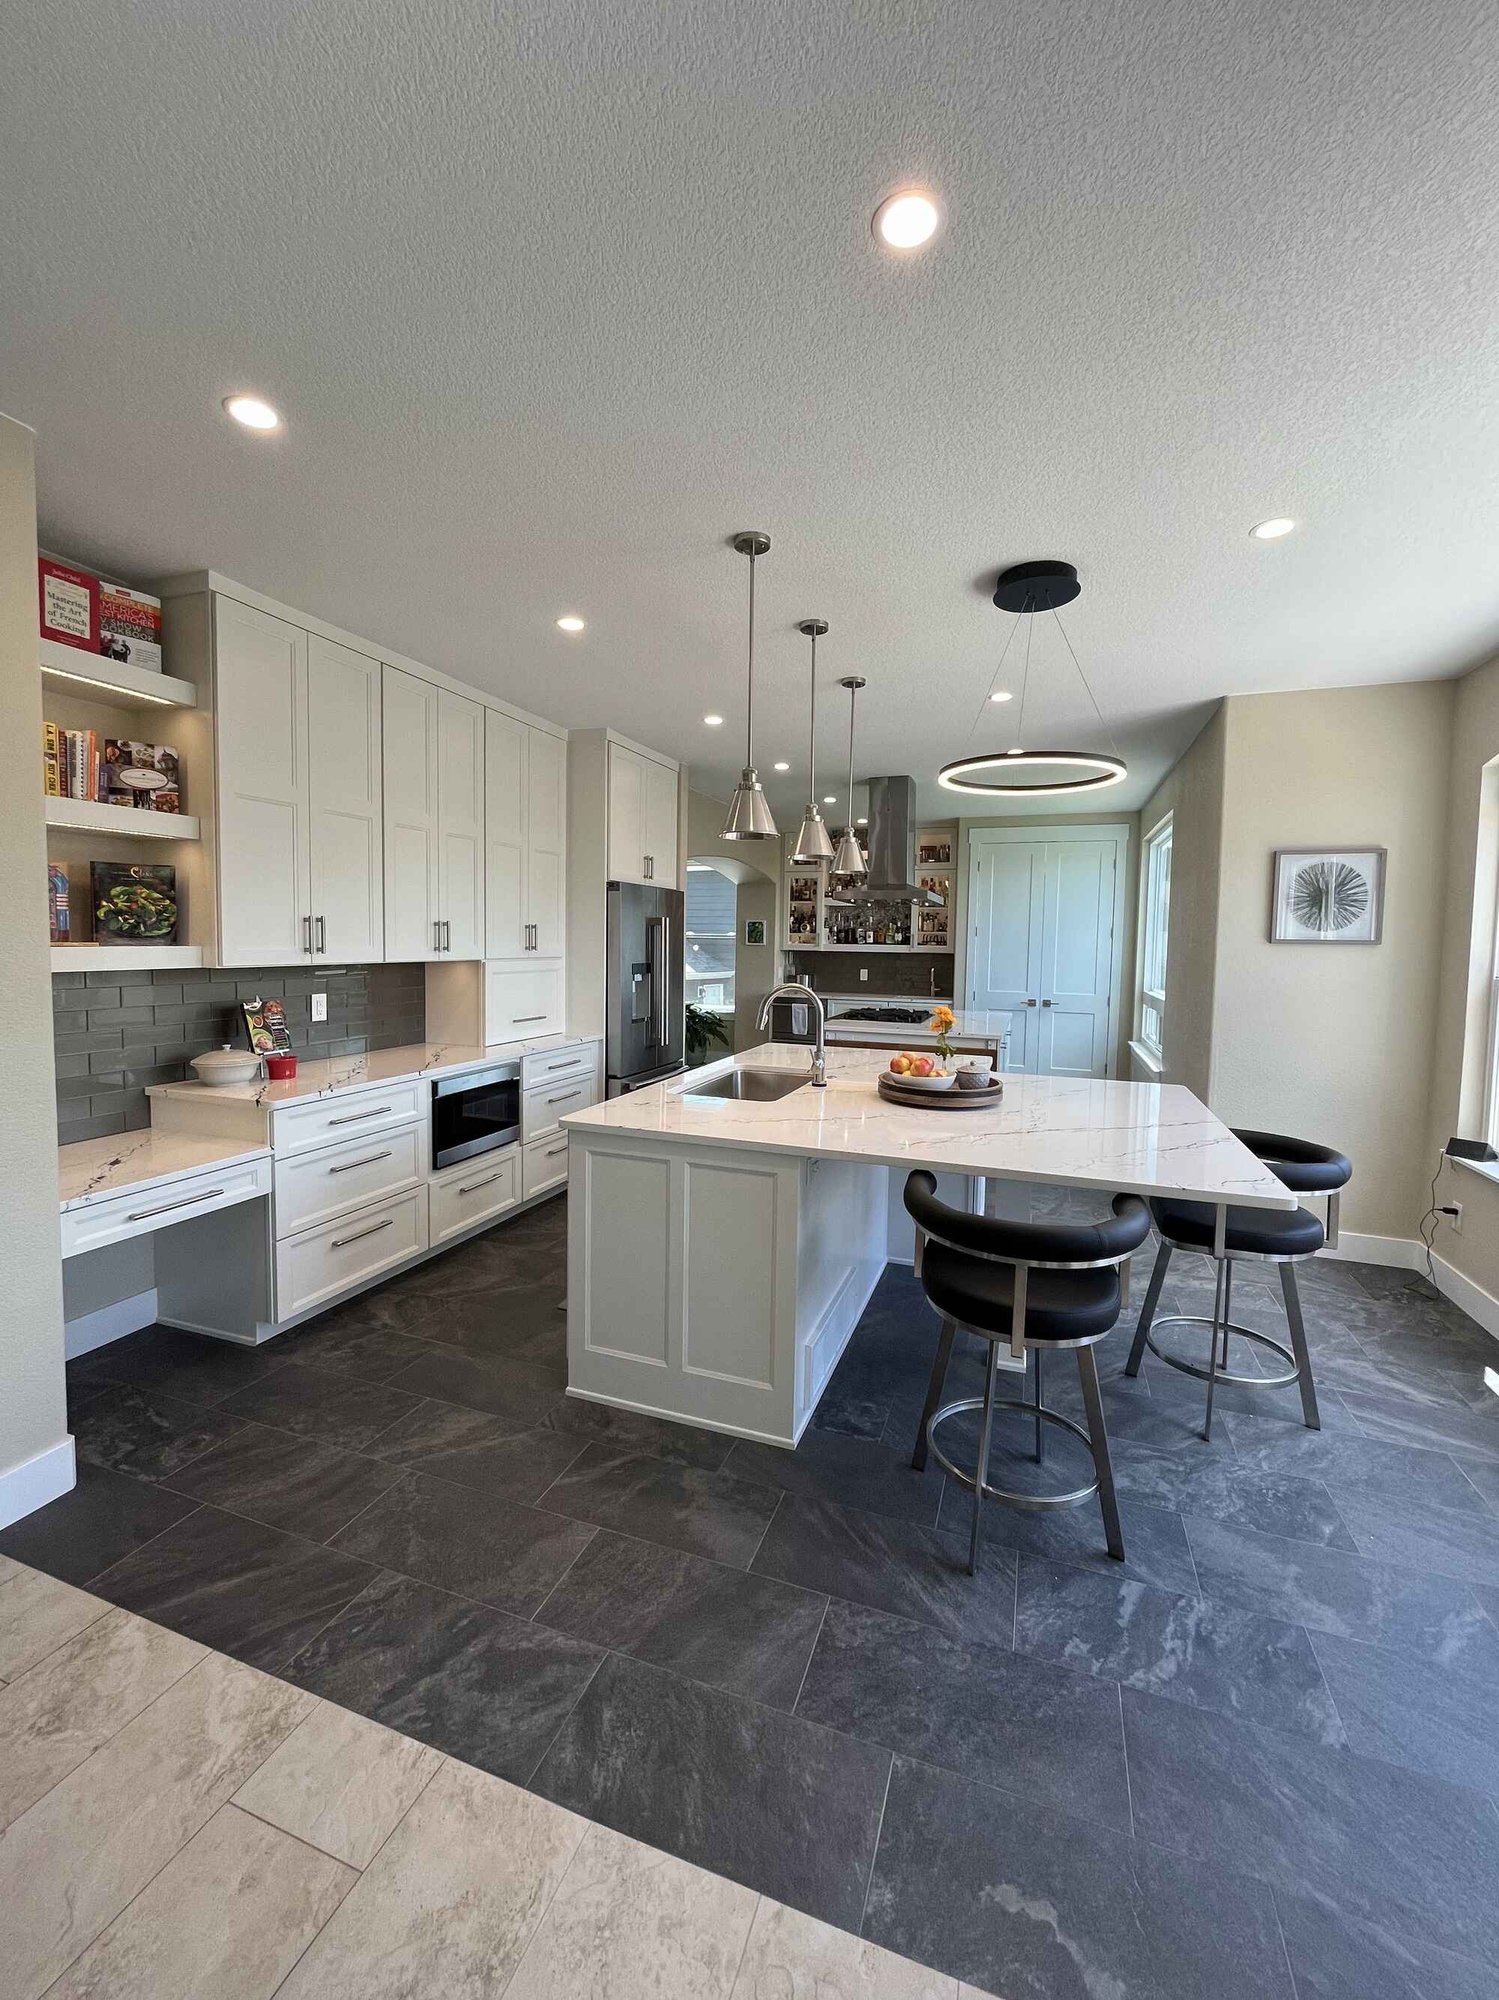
(941,1025)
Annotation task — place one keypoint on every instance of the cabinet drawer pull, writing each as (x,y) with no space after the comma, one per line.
(552,1151)
(322,935)
(187,1201)
(358,1117)
(567,1062)
(561,1096)
(307,935)
(521,1020)
(368,1161)
(488,1181)
(359,1235)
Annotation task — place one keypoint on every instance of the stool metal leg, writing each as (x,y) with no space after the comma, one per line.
(981,1473)
(1299,1348)
(1040,1436)
(1098,1437)
(1147,1311)
(934,1392)
(1221,1283)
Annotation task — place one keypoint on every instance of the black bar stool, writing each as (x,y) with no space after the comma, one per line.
(1036,1285)
(1251,1235)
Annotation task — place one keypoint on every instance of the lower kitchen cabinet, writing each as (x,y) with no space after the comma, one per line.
(475,1191)
(341,1256)
(317,1187)
(543,1165)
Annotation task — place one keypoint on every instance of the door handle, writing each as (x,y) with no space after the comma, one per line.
(436,935)
(1030,1003)
(322,934)
(307,935)
(650,865)
(1046,1003)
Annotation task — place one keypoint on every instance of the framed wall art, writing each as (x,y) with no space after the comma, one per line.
(1324,895)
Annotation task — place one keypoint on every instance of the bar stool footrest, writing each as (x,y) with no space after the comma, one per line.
(1032,1502)
(1204,1374)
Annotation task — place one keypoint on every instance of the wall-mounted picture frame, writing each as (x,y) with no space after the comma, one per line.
(1327,895)
(754,930)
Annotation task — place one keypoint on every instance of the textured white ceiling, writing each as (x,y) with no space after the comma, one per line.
(555,298)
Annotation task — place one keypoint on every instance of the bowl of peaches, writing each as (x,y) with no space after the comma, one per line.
(920,1072)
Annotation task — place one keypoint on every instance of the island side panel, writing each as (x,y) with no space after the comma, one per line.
(700,1279)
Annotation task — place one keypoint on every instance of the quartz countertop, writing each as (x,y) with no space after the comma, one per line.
(90,1169)
(327,1076)
(1136,1138)
(969,1025)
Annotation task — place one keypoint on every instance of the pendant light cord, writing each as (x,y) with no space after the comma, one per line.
(1087,686)
(852,696)
(1025,675)
(812,732)
(994,677)
(749,705)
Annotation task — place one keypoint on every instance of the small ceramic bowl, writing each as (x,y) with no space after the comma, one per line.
(975,1079)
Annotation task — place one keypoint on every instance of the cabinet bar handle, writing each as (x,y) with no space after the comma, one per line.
(487,1182)
(322,934)
(552,1151)
(339,1242)
(566,1063)
(368,1161)
(307,935)
(447,935)
(436,935)
(521,1020)
(561,1096)
(187,1201)
(358,1117)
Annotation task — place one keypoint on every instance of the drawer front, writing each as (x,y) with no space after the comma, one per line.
(544,1165)
(462,1199)
(158,1207)
(542,1110)
(522,1002)
(297,1128)
(352,1251)
(554,1066)
(315,1187)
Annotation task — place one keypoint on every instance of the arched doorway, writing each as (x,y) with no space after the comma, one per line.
(732,955)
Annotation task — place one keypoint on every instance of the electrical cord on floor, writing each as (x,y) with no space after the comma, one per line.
(1432,1217)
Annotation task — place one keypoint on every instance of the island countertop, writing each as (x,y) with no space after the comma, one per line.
(1131,1138)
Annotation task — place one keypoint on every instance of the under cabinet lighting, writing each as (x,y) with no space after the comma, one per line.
(110,687)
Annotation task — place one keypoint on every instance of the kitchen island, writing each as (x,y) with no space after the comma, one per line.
(721,1250)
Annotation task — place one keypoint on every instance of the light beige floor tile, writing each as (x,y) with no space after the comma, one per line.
(340,1782)
(72,1863)
(228,1917)
(37,1613)
(631,1923)
(8,1567)
(794,1957)
(448,1905)
(62,1709)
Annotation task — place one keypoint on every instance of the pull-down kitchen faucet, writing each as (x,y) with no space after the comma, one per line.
(795,990)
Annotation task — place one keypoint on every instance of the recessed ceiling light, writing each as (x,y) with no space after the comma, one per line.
(570,623)
(861,822)
(783,767)
(714,721)
(830,798)
(1271,531)
(253,413)
(906,221)
(1001,694)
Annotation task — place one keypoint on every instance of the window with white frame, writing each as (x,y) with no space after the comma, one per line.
(1155,927)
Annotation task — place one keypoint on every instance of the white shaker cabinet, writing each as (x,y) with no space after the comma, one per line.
(260,702)
(344,790)
(642,818)
(526,840)
(434,820)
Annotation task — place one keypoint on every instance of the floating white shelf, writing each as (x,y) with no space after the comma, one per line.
(811,944)
(131,687)
(88,816)
(123,957)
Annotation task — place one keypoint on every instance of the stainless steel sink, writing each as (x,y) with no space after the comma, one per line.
(749,1086)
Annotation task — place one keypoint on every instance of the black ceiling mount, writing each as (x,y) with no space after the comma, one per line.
(1036,586)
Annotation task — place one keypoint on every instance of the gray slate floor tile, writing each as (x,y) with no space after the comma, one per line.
(1334,1958)
(853,1471)
(709,1514)
(1432,1718)
(744,1633)
(105,1517)
(314,1402)
(764,1798)
(1155,1542)
(188,1366)
(287,1482)
(504,1389)
(144,1432)
(996,1717)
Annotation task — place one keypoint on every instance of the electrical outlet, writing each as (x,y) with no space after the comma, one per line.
(864,972)
(1455,1217)
(319,1006)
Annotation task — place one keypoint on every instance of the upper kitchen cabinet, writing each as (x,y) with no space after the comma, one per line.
(434,820)
(526,840)
(642,816)
(346,802)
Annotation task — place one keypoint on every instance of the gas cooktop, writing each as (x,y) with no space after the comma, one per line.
(905,1014)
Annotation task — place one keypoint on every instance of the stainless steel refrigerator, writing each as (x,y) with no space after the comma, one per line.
(646,1023)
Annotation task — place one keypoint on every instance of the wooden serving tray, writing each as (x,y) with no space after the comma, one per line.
(940,1100)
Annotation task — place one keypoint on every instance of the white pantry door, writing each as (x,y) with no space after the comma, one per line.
(1044,919)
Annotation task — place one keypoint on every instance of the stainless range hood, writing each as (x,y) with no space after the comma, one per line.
(892,847)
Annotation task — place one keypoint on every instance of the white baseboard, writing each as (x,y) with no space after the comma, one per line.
(1397,1253)
(36,1481)
(1474,1300)
(113,1322)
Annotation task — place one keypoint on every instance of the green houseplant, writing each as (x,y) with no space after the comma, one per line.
(705,1031)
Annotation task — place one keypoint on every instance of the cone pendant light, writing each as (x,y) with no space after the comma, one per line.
(813,843)
(749,816)
(848,860)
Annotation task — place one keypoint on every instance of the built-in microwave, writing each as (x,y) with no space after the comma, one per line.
(475,1113)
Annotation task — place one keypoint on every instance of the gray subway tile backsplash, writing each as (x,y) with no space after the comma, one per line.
(115,1033)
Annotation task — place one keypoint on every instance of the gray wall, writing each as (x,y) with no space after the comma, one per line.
(118,1032)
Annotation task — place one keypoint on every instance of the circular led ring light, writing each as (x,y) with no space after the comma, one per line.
(1106,771)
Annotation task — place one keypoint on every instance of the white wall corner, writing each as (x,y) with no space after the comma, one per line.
(1473,1299)
(35,1481)
(108,1323)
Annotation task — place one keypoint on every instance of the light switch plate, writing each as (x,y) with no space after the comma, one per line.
(319,1006)
(863,972)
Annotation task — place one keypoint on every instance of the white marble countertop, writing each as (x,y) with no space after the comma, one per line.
(969,1025)
(1135,1138)
(326,1076)
(91,1169)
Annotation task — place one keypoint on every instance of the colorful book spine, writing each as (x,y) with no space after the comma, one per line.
(57,902)
(52,760)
